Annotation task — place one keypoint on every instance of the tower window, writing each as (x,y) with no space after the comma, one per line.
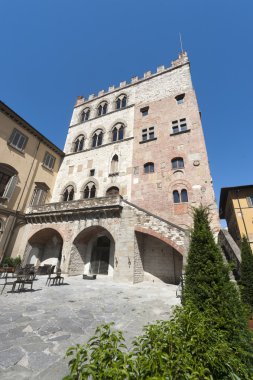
(121,102)
(92,172)
(114,164)
(144,111)
(176,197)
(177,163)
(79,143)
(97,138)
(179,126)
(102,108)
(85,115)
(68,194)
(118,132)
(180,98)
(149,167)
(90,190)
(181,197)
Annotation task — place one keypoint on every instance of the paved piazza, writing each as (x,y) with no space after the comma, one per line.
(37,327)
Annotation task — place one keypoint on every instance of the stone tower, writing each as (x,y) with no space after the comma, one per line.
(135,161)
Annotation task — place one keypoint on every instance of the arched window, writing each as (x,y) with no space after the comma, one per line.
(97,138)
(68,194)
(184,195)
(115,164)
(149,167)
(85,115)
(176,197)
(121,102)
(177,163)
(79,143)
(181,197)
(102,108)
(112,191)
(118,132)
(90,190)
(8,180)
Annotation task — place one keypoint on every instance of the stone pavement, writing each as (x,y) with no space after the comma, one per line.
(37,327)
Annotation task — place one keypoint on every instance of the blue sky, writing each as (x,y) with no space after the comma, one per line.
(54,50)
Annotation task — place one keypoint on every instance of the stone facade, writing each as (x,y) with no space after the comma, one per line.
(135,160)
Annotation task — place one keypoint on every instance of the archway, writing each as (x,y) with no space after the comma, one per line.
(44,248)
(92,252)
(159,260)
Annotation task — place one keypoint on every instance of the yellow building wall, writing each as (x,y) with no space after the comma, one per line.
(243,212)
(29,164)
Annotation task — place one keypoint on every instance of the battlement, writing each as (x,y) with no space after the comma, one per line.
(181,60)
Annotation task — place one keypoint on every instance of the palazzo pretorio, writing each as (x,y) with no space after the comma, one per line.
(117,200)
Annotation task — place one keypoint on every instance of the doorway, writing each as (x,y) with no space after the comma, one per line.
(100,255)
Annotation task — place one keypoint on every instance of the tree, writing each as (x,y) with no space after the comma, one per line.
(208,286)
(246,281)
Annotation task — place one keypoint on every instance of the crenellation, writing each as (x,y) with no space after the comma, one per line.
(147,74)
(160,69)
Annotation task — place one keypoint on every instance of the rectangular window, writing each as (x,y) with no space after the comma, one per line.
(148,133)
(144,135)
(144,111)
(183,125)
(39,194)
(49,161)
(39,197)
(179,126)
(250,200)
(18,140)
(92,172)
(151,133)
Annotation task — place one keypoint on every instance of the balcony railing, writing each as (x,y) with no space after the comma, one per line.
(80,204)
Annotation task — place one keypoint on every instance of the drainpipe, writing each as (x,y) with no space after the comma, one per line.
(244,224)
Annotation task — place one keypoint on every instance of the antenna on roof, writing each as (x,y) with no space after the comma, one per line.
(181,43)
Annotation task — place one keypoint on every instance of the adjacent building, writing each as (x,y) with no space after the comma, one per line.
(28,167)
(135,162)
(236,206)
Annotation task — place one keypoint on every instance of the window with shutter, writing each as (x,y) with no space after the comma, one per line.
(9,190)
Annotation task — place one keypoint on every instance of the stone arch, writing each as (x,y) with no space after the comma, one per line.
(166,240)
(88,256)
(159,258)
(44,248)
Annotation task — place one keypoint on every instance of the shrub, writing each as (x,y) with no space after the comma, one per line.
(12,262)
(246,281)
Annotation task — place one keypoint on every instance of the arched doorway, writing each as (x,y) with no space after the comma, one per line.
(100,255)
(92,252)
(44,247)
